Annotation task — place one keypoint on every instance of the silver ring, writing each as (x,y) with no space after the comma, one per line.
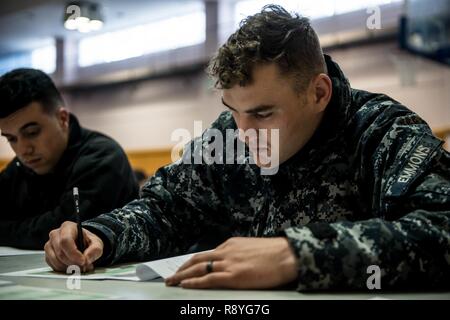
(209,266)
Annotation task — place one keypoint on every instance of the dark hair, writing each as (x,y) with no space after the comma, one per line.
(273,35)
(20,87)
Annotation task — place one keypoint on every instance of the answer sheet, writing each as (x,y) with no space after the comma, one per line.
(125,272)
(131,272)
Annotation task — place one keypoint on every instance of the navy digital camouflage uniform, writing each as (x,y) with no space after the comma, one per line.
(371,187)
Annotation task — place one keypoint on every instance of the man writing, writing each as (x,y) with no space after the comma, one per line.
(53,155)
(361,182)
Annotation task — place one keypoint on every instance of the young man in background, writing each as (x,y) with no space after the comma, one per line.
(53,155)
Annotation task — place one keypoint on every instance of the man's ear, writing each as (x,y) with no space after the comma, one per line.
(63,117)
(323,89)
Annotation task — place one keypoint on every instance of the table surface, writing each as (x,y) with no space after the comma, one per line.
(157,289)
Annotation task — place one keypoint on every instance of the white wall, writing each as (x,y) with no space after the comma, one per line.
(143,116)
(420,84)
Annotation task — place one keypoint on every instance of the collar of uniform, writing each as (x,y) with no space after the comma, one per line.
(341,96)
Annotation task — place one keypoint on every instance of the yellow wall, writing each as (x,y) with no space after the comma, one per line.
(444,134)
(149,160)
(3,163)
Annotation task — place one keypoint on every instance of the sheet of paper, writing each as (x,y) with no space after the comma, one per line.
(9,251)
(164,267)
(125,272)
(131,272)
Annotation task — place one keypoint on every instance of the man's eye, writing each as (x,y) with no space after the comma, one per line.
(33,133)
(262,115)
(11,140)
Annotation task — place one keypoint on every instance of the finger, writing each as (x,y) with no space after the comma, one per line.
(211,280)
(94,250)
(201,257)
(48,255)
(52,260)
(197,270)
(89,268)
(62,257)
(67,236)
(92,253)
(56,247)
(56,258)
(50,263)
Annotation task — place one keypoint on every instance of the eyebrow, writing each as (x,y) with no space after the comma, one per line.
(23,128)
(256,109)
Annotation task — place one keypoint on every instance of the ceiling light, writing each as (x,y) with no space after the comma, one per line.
(70,24)
(95,24)
(82,16)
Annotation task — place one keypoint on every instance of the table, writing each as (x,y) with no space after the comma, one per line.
(157,289)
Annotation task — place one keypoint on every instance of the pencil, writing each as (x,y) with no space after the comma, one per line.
(80,240)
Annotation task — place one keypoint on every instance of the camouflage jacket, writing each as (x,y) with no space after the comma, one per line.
(371,187)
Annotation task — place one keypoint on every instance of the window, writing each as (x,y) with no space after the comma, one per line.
(43,58)
(312,9)
(353,5)
(163,35)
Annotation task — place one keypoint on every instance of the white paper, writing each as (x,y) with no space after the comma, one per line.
(130,272)
(126,272)
(9,251)
(164,267)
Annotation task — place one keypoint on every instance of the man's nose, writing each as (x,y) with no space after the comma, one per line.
(248,133)
(25,148)
(244,125)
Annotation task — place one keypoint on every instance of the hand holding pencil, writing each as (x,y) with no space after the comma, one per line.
(72,245)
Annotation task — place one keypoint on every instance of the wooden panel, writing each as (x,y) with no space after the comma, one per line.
(149,160)
(444,134)
(3,163)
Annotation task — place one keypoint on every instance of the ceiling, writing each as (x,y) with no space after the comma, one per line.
(27,24)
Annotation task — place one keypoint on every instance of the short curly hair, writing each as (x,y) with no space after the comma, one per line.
(272,35)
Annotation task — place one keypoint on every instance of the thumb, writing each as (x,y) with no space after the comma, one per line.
(95,248)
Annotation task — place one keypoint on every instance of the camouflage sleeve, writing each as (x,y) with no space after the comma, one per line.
(179,202)
(405,172)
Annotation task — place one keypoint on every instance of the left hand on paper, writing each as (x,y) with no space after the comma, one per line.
(240,263)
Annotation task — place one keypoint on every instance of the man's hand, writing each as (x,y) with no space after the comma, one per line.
(61,250)
(240,263)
